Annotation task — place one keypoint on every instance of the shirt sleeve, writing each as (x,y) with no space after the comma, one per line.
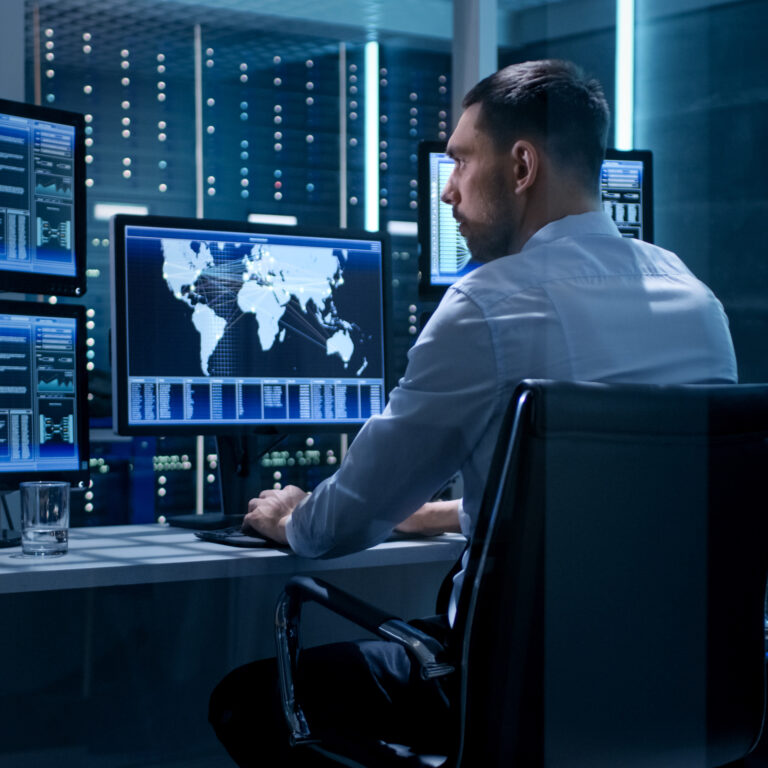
(434,417)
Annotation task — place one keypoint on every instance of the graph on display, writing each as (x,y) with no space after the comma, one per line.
(60,381)
(52,184)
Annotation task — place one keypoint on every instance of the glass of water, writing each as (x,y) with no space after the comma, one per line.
(44,518)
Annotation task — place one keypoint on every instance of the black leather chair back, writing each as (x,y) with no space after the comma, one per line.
(613,606)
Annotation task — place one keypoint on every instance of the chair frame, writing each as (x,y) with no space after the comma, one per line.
(509,488)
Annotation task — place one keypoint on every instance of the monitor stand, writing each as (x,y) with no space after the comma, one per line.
(9,537)
(239,481)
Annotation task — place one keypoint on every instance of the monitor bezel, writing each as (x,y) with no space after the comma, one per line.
(41,282)
(118,332)
(646,157)
(78,478)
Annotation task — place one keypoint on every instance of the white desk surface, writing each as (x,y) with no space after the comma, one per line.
(108,556)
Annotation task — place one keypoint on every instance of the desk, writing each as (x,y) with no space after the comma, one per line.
(148,619)
(119,555)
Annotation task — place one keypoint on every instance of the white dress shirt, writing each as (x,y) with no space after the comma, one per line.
(578,302)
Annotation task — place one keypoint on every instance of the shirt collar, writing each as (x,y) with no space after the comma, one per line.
(592,223)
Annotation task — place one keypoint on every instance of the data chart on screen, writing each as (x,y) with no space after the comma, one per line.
(37,206)
(621,192)
(39,422)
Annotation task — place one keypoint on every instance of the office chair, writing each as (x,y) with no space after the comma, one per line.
(613,607)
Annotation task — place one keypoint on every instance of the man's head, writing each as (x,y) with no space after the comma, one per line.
(528,149)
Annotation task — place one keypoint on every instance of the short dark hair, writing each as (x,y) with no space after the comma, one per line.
(552,101)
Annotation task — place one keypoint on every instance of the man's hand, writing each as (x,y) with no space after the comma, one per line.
(268,513)
(433,518)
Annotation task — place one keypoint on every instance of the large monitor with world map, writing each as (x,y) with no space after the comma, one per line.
(231,327)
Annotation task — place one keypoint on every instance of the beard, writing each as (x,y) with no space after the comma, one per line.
(488,241)
(491,237)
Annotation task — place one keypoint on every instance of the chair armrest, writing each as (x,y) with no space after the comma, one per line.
(301,589)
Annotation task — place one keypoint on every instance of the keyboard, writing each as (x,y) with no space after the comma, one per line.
(232,536)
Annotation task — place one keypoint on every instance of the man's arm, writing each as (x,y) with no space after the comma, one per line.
(433,518)
(268,514)
(401,457)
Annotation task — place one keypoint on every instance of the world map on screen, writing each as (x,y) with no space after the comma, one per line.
(262,281)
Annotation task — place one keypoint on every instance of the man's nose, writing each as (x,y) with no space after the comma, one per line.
(449,191)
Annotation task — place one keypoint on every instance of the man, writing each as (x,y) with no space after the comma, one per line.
(560,295)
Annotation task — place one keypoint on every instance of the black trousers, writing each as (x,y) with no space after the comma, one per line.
(357,696)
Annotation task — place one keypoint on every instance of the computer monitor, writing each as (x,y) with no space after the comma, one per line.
(43,394)
(230,327)
(626,189)
(42,200)
(443,253)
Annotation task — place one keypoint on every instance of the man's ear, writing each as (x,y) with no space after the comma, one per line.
(525,164)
